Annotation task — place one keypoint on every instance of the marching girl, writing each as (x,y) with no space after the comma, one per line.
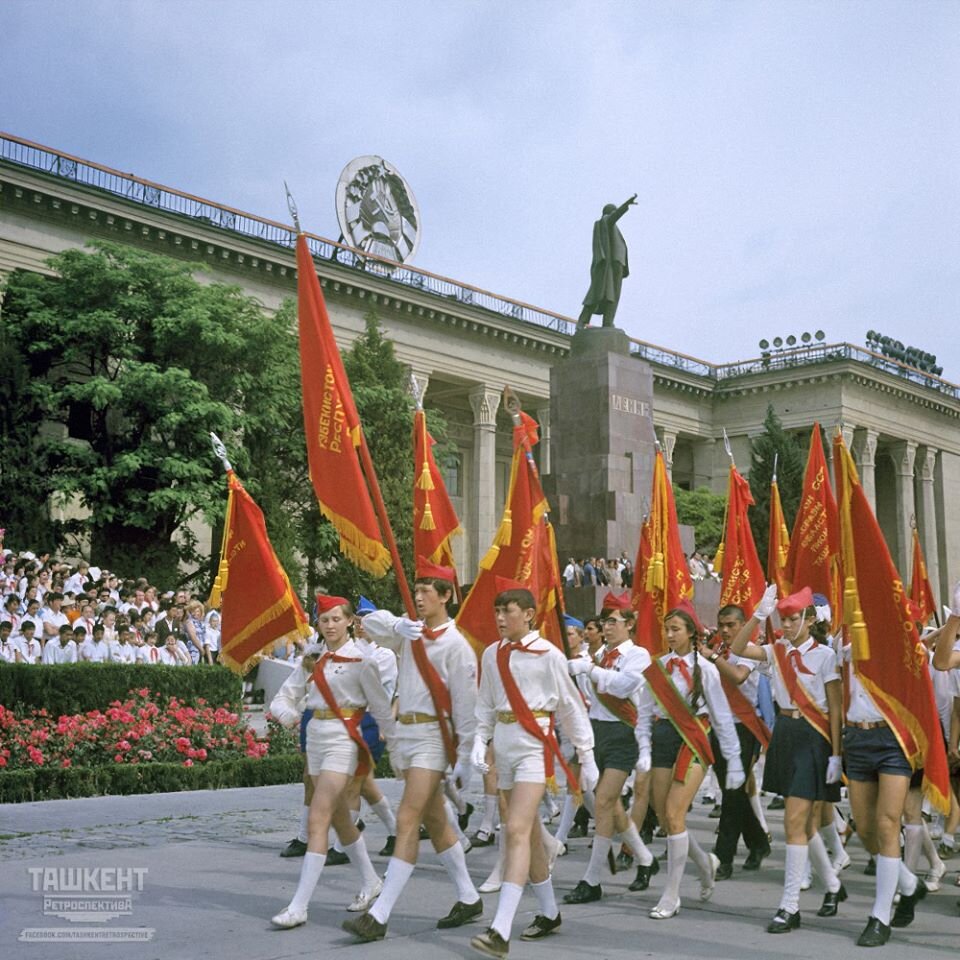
(342,685)
(682,695)
(803,760)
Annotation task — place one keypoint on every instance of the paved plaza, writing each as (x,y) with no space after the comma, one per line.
(210,878)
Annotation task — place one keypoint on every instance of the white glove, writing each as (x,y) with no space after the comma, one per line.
(589,772)
(408,629)
(956,599)
(834,769)
(767,603)
(644,762)
(478,755)
(462,772)
(736,778)
(578,666)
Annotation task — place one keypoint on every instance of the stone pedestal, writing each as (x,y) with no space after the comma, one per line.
(601,446)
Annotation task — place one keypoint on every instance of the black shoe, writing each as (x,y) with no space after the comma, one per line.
(460,914)
(295,848)
(463,819)
(365,928)
(870,870)
(755,857)
(875,934)
(335,858)
(783,922)
(388,847)
(775,804)
(644,874)
(714,814)
(584,892)
(490,943)
(624,860)
(903,915)
(481,838)
(723,872)
(540,928)
(360,825)
(424,835)
(577,832)
(831,902)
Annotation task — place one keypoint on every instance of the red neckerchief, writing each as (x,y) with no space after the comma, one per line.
(678,663)
(439,694)
(526,719)
(352,726)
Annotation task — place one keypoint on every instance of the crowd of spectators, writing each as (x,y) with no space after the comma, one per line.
(616,573)
(700,566)
(56,612)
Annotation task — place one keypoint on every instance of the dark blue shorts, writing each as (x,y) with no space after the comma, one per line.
(614,745)
(868,753)
(665,745)
(371,736)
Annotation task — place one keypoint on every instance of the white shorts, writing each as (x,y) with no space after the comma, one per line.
(518,755)
(329,747)
(418,745)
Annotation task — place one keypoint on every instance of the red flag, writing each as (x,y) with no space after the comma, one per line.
(523,550)
(778,543)
(815,544)
(921,593)
(741,574)
(661,576)
(333,428)
(434,519)
(888,657)
(259,606)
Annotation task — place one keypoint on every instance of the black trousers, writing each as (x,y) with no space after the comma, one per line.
(736,814)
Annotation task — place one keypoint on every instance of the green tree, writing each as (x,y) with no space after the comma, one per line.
(703,510)
(774,441)
(139,361)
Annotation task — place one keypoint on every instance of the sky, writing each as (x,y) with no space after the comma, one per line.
(797,164)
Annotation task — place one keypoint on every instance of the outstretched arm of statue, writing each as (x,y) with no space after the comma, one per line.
(622,209)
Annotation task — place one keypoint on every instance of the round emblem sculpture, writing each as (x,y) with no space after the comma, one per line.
(377,210)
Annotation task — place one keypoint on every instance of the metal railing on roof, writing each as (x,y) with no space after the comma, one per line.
(55,163)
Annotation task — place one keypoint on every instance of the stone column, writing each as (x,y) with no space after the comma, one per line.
(543,418)
(865,455)
(668,440)
(927,521)
(904,453)
(485,401)
(703,464)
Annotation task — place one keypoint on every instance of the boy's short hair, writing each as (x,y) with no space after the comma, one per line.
(522,598)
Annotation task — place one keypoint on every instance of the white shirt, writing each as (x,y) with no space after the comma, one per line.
(74,583)
(544,681)
(123,652)
(94,652)
(56,620)
(750,687)
(946,686)
(623,679)
(55,652)
(32,651)
(454,660)
(386,661)
(817,658)
(721,718)
(170,659)
(148,654)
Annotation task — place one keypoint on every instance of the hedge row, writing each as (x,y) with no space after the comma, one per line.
(69,688)
(52,783)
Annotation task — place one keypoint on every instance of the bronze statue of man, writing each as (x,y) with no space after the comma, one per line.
(609,266)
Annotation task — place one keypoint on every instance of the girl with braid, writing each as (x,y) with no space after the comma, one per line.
(682,698)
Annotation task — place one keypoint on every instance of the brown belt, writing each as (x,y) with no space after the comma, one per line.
(408,718)
(348,713)
(792,714)
(866,724)
(508,716)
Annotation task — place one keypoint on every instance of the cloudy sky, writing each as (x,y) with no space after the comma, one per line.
(797,163)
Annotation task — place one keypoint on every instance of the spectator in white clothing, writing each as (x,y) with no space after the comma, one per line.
(29,648)
(95,650)
(173,654)
(64,648)
(122,650)
(52,616)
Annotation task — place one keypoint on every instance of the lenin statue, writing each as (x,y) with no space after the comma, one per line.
(609,266)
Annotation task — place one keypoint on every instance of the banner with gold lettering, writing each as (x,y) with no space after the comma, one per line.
(815,542)
(921,593)
(888,657)
(778,543)
(741,574)
(257,603)
(333,428)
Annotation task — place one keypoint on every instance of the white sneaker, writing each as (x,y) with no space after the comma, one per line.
(842,862)
(287,919)
(933,878)
(492,884)
(361,902)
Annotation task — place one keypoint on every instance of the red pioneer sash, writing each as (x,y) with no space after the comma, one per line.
(352,726)
(439,694)
(798,694)
(526,719)
(693,731)
(625,710)
(743,709)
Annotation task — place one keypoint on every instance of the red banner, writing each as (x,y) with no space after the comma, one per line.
(778,543)
(921,593)
(741,575)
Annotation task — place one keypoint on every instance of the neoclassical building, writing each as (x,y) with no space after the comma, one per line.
(465,344)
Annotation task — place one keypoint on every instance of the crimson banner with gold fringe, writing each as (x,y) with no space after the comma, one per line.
(778,543)
(921,593)
(741,575)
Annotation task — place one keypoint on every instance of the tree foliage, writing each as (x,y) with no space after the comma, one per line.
(703,510)
(790,464)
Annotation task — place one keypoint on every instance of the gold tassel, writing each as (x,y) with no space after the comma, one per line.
(490,557)
(426,521)
(426,481)
(552,785)
(656,577)
(857,626)
(718,557)
(505,532)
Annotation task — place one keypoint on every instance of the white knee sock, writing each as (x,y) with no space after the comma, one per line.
(309,876)
(698,855)
(757,808)
(357,852)
(906,882)
(398,873)
(631,837)
(930,848)
(796,867)
(912,846)
(566,818)
(303,834)
(831,839)
(598,859)
(496,874)
(678,846)
(510,894)
(455,863)
(888,872)
(451,812)
(820,860)
(455,796)
(489,812)
(384,813)
(590,801)
(546,899)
